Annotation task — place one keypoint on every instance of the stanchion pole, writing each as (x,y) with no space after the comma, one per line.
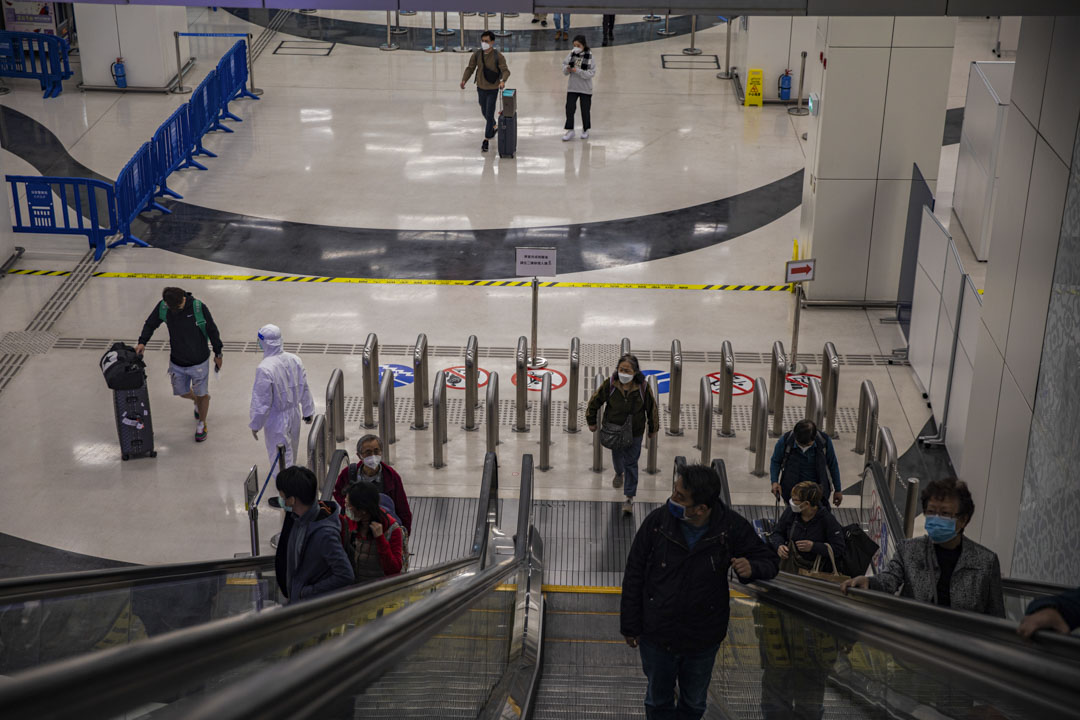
(693,49)
(502,32)
(652,17)
(793,360)
(433,48)
(486,16)
(180,89)
(462,48)
(408,13)
(251,70)
(666,30)
(389,44)
(726,73)
(535,361)
(799,109)
(398,30)
(445,26)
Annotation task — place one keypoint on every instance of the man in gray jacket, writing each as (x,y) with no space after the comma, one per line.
(943,568)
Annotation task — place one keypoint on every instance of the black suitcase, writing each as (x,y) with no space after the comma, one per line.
(133,423)
(508,123)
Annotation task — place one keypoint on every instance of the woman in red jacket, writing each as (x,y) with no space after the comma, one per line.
(374,541)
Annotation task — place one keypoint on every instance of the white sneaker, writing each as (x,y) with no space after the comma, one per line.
(568,136)
(628,506)
(585,135)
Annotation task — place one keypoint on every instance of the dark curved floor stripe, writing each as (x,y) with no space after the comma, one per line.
(538,39)
(309,249)
(20,558)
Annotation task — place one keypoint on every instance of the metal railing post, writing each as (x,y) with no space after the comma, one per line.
(911,507)
(575,386)
(316,447)
(445,30)
(725,74)
(675,390)
(815,405)
(335,406)
(830,384)
(777,382)
(727,383)
(545,423)
(652,440)
(624,347)
(438,419)
(491,415)
(759,426)
(799,109)
(472,379)
(434,47)
(693,49)
(502,33)
(793,357)
(886,455)
(866,427)
(420,391)
(180,89)
(251,491)
(370,372)
(651,17)
(386,414)
(705,413)
(597,448)
(462,47)
(389,44)
(251,69)
(521,378)
(535,361)
(398,30)
(666,30)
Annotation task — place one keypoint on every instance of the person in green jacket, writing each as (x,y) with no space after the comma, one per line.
(627,395)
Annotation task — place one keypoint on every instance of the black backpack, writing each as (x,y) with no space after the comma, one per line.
(123,368)
(789,445)
(859,551)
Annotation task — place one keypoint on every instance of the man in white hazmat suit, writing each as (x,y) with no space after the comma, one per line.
(281,394)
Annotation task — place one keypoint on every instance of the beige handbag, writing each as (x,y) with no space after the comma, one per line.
(816,571)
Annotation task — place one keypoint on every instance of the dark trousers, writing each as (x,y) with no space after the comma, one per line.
(609,25)
(586,108)
(488,100)
(692,671)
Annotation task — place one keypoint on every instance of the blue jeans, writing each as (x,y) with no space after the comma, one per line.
(693,671)
(562,21)
(625,462)
(488,100)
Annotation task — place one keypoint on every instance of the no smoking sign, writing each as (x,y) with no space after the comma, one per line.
(536,379)
(740,384)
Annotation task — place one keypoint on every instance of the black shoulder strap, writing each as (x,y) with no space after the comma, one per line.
(789,444)
(352,473)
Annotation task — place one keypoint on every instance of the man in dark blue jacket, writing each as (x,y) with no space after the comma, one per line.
(1060,613)
(310,559)
(675,590)
(802,455)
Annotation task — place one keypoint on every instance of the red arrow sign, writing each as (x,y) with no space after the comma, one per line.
(804,270)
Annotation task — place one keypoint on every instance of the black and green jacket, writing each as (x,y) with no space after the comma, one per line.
(637,401)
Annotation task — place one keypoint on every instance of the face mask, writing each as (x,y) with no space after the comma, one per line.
(372,462)
(349,513)
(940,530)
(284,507)
(260,344)
(677,510)
(796,507)
(625,379)
(485,45)
(578,51)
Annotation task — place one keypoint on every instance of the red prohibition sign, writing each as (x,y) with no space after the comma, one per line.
(536,379)
(796,385)
(455,377)
(740,384)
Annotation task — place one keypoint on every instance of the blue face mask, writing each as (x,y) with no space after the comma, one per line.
(677,510)
(284,507)
(940,530)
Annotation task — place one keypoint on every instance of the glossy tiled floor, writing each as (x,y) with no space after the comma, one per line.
(371,140)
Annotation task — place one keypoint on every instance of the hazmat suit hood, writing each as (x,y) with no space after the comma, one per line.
(270,337)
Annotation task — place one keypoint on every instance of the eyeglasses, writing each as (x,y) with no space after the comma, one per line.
(936,513)
(370,452)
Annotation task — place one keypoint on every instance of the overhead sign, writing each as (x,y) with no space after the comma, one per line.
(797,384)
(740,384)
(799,271)
(755,88)
(663,379)
(403,375)
(535,261)
(536,379)
(455,377)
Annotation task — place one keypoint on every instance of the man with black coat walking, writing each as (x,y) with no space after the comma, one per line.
(675,590)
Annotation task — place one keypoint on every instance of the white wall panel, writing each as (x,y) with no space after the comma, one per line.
(852,108)
(1019,150)
(1061,101)
(803,37)
(915,112)
(933,248)
(924,323)
(924,32)
(1035,267)
(768,47)
(843,217)
(860,31)
(887,239)
(974,465)
(939,376)
(963,376)
(1032,56)
(99,42)
(1007,456)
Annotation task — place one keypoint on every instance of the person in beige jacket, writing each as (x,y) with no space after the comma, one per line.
(488,67)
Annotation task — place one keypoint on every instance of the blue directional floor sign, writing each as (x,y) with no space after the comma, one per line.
(663,379)
(403,375)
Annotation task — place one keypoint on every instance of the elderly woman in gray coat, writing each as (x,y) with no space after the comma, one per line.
(580,66)
(943,567)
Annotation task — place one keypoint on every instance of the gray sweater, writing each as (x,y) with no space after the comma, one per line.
(580,81)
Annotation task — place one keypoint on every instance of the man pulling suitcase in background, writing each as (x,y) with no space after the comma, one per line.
(191,330)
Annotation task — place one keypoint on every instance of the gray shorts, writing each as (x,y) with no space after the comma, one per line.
(194,379)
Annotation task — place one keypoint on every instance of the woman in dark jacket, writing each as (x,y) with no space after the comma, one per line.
(627,396)
(812,530)
(374,541)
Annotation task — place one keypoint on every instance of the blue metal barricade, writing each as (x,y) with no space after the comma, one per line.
(170,146)
(87,207)
(202,115)
(227,75)
(39,57)
(135,194)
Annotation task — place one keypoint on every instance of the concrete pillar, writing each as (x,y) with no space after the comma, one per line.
(772,44)
(141,34)
(881,84)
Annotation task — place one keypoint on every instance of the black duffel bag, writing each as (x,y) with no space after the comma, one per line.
(123,368)
(859,551)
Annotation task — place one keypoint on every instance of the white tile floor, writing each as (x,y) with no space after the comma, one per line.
(395,128)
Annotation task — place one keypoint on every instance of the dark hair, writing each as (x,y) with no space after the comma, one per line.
(368,438)
(173,296)
(297,482)
(632,359)
(581,39)
(805,431)
(946,489)
(808,491)
(702,483)
(364,497)
(489,35)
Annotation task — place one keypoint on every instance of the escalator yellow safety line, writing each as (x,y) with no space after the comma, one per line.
(607,590)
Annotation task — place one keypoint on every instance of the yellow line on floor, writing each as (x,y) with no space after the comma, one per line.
(403,281)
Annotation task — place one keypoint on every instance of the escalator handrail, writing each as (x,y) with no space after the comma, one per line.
(1018,586)
(487,507)
(338,460)
(725,491)
(892,513)
(969,645)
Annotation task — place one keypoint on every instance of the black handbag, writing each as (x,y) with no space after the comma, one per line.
(123,368)
(617,437)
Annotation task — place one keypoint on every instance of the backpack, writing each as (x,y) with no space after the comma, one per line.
(200,319)
(789,445)
(385,501)
(123,368)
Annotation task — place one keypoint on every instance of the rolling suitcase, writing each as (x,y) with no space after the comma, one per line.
(508,123)
(125,374)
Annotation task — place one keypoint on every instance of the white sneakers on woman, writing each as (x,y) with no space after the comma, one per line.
(570,135)
(585,135)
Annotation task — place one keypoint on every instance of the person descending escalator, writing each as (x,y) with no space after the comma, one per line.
(374,540)
(675,590)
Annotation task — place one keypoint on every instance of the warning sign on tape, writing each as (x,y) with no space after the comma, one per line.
(455,377)
(740,384)
(536,379)
(797,384)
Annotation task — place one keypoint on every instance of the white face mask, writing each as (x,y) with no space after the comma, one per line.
(796,507)
(625,379)
(485,46)
(373,461)
(578,51)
